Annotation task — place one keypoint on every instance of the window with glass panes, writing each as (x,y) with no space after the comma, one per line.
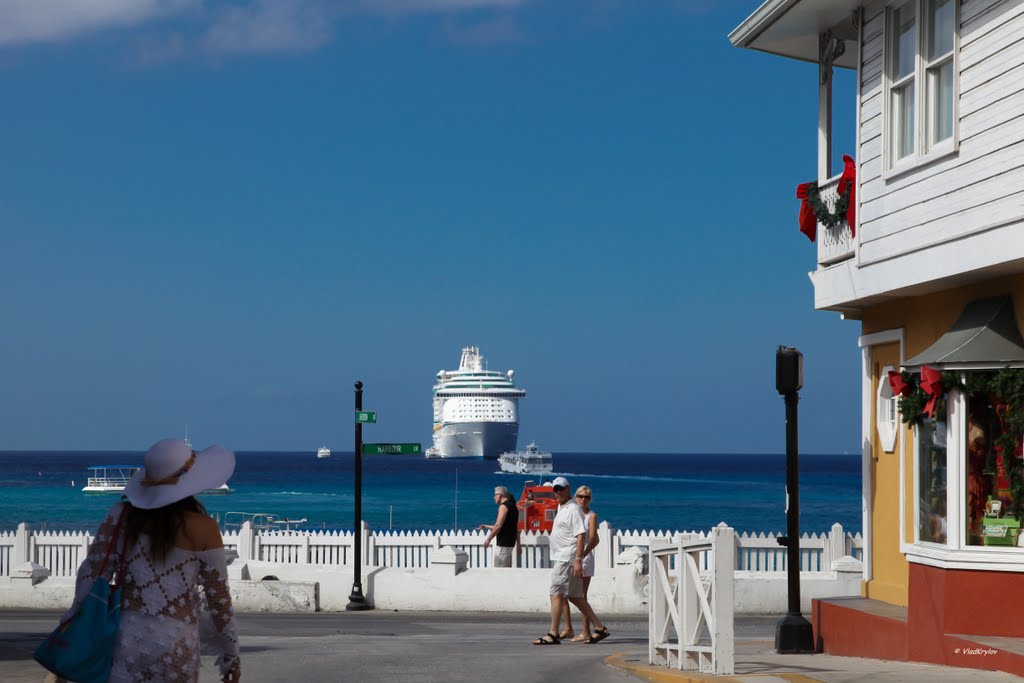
(931,481)
(921,83)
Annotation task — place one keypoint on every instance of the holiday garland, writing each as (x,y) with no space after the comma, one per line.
(924,397)
(813,210)
(825,216)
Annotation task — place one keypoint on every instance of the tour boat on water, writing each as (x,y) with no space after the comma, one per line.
(323,452)
(531,461)
(113,479)
(109,478)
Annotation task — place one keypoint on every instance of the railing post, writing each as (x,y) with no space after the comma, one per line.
(83,551)
(22,551)
(656,612)
(836,544)
(689,608)
(723,550)
(603,557)
(367,538)
(305,549)
(245,542)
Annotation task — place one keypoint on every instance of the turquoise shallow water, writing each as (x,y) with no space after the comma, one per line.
(631,491)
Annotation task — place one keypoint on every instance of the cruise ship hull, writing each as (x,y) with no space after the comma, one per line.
(476,439)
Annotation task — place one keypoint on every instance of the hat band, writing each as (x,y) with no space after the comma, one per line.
(173,478)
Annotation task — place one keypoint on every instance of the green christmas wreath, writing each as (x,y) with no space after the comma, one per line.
(825,216)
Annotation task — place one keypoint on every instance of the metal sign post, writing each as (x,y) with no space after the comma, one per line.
(356,599)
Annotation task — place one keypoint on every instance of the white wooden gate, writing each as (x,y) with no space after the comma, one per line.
(690,618)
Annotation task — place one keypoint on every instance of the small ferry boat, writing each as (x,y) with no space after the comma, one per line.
(531,461)
(113,479)
(323,452)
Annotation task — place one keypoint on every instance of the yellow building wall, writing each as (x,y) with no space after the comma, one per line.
(923,320)
(889,569)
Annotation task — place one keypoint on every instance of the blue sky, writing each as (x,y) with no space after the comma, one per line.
(221,214)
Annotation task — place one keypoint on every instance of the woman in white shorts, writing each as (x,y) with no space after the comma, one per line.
(583,497)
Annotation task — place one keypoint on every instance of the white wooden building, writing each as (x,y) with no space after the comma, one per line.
(937,245)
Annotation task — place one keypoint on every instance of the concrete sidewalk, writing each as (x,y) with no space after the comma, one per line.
(471,646)
(758,664)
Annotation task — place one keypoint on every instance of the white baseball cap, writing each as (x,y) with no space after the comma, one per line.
(560,481)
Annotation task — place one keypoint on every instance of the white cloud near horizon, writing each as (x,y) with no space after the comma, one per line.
(35,21)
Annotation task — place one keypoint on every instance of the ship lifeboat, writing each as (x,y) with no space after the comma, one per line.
(537,507)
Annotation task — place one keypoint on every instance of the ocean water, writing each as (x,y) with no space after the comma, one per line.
(631,491)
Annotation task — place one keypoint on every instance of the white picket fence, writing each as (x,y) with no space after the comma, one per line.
(62,551)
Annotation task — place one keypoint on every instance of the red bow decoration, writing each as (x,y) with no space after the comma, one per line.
(849,175)
(808,221)
(931,383)
(896,383)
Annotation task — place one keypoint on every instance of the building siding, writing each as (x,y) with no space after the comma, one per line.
(979,186)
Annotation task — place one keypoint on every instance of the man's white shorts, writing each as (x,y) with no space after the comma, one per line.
(563,582)
(503,556)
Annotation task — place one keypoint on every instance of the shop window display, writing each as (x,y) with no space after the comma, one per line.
(989,495)
(988,450)
(931,442)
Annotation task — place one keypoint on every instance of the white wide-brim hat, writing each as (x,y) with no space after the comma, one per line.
(173,471)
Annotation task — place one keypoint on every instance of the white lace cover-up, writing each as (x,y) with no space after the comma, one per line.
(159,635)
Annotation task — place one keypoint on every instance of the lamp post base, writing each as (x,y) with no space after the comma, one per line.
(794,636)
(356,601)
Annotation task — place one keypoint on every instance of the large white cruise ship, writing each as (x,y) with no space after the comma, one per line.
(476,411)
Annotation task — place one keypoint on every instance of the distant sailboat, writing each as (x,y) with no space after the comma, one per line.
(187,442)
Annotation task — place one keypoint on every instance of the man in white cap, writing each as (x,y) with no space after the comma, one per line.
(568,539)
(505,528)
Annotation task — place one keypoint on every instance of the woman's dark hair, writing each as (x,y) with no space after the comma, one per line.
(161,524)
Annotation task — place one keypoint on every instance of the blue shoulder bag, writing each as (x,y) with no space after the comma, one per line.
(81,649)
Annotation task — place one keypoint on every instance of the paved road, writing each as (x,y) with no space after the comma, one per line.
(472,646)
(377,646)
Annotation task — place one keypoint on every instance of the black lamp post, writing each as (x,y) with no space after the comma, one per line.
(356,599)
(793,633)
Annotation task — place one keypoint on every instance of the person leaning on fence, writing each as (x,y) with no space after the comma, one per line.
(167,544)
(505,529)
(567,545)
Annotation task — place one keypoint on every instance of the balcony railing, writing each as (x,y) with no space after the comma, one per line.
(834,244)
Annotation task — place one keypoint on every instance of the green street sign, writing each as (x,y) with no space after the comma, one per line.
(365,416)
(392,449)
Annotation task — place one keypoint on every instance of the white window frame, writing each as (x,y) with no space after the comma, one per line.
(954,516)
(956,553)
(923,151)
(887,412)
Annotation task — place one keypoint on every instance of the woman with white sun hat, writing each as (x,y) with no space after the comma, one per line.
(163,544)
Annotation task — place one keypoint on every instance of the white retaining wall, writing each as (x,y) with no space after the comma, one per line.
(442,570)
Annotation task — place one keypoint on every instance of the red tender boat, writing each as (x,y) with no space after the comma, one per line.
(537,507)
